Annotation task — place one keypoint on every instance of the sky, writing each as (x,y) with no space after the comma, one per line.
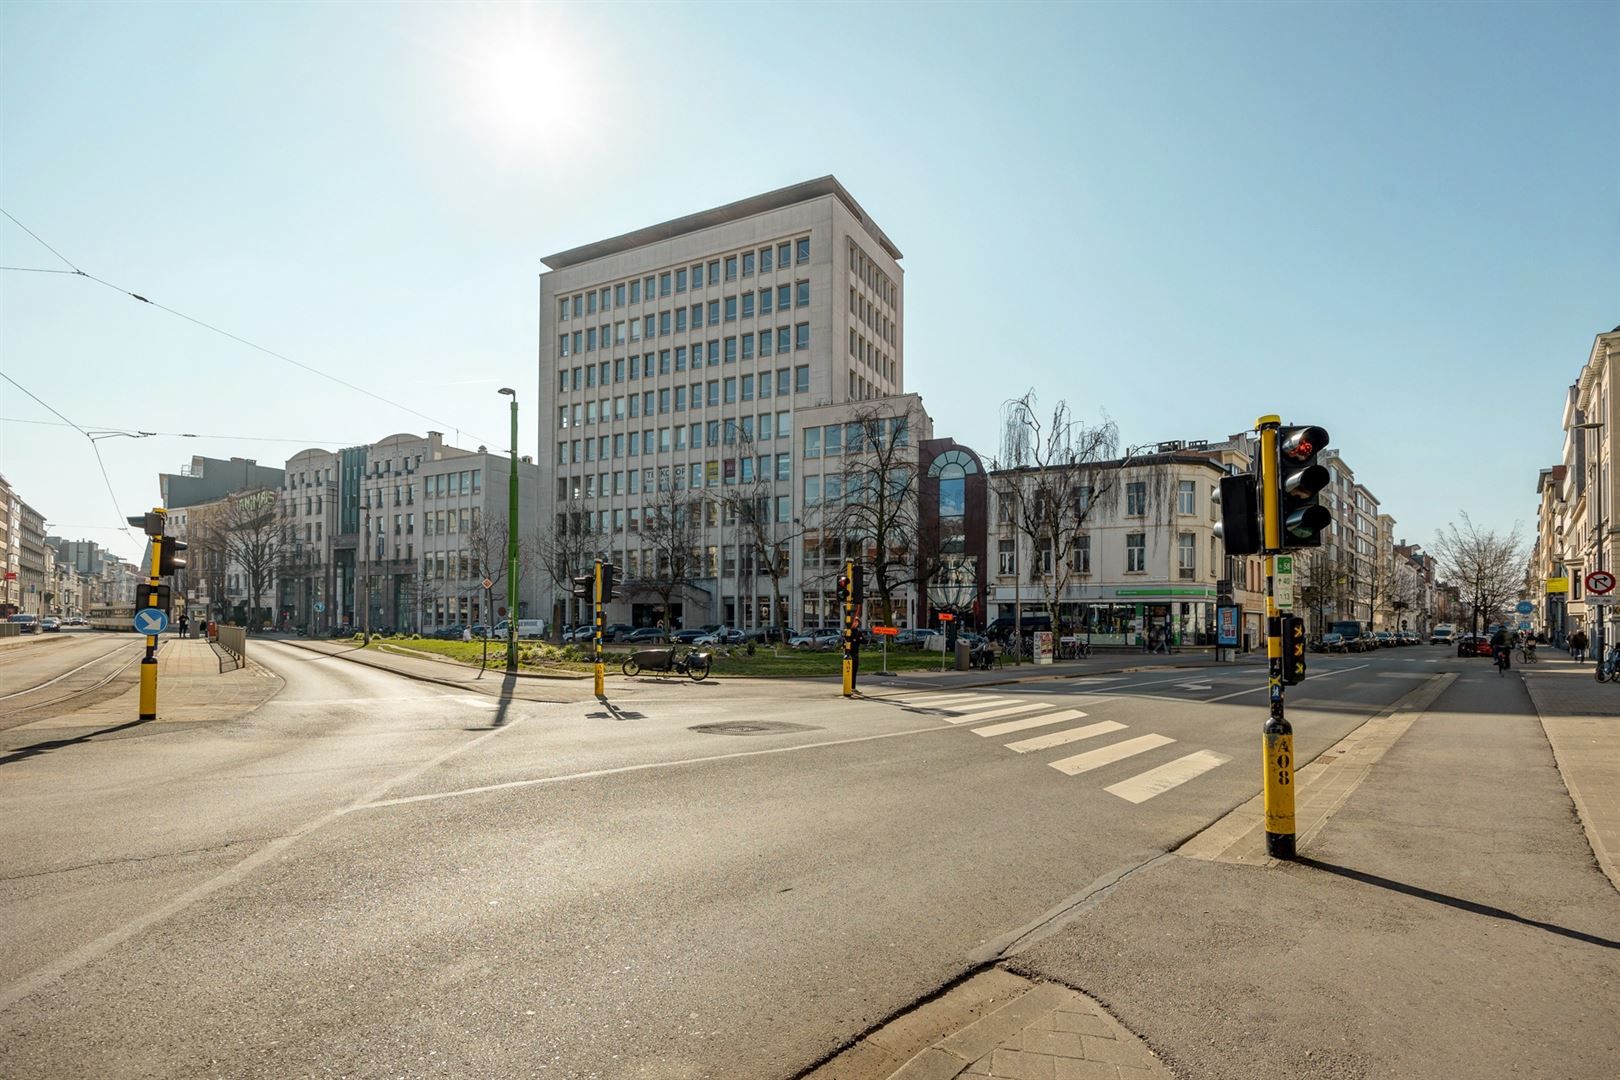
(1398,221)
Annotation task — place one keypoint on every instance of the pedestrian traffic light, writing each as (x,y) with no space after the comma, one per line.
(1239,527)
(585,586)
(843,588)
(171,555)
(1300,480)
(1293,649)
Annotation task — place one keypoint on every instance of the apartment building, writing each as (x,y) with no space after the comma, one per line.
(1584,536)
(402,532)
(25,560)
(683,357)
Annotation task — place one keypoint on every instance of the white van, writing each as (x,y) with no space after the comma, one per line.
(526,628)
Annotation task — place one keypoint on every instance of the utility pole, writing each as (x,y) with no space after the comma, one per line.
(512,543)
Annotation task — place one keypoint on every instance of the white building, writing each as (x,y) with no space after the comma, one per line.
(683,357)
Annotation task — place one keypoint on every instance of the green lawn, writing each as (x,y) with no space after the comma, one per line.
(772,663)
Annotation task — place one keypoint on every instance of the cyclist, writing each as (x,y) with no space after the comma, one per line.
(1501,647)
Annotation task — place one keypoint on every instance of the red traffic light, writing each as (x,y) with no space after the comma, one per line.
(1301,443)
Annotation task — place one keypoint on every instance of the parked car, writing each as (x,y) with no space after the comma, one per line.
(1442,635)
(825,638)
(25,624)
(449,633)
(616,631)
(646,635)
(1331,643)
(1473,645)
(526,628)
(1407,637)
(915,638)
(1369,642)
(1385,639)
(722,635)
(50,624)
(687,636)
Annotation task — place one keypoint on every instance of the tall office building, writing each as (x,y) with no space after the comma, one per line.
(681,357)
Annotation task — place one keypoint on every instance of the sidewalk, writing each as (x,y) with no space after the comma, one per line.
(190,688)
(1444,918)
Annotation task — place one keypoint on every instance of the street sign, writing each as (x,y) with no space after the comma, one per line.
(488,584)
(946,616)
(1600,582)
(1282,583)
(320,606)
(1600,599)
(885,631)
(1557,585)
(150,621)
(1524,625)
(1525,607)
(1226,623)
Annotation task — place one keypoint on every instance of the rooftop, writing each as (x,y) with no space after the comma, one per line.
(721,215)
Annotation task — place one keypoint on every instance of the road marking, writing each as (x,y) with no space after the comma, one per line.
(1096,759)
(1029,722)
(963,708)
(1011,710)
(1143,786)
(1059,738)
(936,701)
(1263,687)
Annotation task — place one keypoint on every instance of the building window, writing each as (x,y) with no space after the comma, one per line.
(1135,553)
(803,249)
(1186,496)
(748,264)
(802,291)
(812,442)
(765,260)
(1007,551)
(1080,558)
(801,336)
(731,268)
(1187,563)
(801,379)
(1136,498)
(731,309)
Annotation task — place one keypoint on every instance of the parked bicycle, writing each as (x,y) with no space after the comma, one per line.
(1527,651)
(1608,669)
(694,663)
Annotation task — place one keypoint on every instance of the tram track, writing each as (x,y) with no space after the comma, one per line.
(31,703)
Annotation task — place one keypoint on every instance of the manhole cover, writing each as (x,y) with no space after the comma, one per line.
(750,727)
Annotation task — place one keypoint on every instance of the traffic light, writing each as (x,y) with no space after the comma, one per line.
(1300,480)
(843,588)
(585,586)
(149,523)
(858,585)
(1239,527)
(153,596)
(610,579)
(171,555)
(1293,649)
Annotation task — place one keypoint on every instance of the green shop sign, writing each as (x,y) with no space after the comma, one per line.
(1203,593)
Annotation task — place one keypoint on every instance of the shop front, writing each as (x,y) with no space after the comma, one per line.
(1137,616)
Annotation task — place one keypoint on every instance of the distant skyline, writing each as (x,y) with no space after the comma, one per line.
(1398,221)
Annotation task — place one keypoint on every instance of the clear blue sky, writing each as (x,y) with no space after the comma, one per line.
(1397,220)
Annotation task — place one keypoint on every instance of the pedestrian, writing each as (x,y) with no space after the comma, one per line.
(184,622)
(1577,646)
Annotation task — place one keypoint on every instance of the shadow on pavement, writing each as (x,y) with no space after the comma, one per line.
(23,753)
(1453,901)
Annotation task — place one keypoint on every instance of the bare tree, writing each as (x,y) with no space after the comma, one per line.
(671,541)
(486,547)
(254,540)
(875,515)
(562,552)
(1485,566)
(208,557)
(759,507)
(1055,474)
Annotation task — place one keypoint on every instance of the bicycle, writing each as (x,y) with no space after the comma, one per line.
(1608,669)
(1527,653)
(1502,654)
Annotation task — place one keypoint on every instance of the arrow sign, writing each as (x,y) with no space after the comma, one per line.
(151,621)
(1600,582)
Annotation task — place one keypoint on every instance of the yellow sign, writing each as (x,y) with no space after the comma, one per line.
(1558,585)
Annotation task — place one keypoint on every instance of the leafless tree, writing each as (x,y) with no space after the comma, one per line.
(562,552)
(255,540)
(1485,566)
(671,542)
(1055,473)
(875,515)
(759,507)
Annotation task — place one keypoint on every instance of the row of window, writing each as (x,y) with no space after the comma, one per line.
(696,396)
(832,440)
(745,430)
(867,272)
(1080,556)
(677,280)
(1136,499)
(693,475)
(684,319)
(665,361)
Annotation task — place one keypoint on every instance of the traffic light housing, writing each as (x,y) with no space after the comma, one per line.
(1300,481)
(1293,649)
(858,584)
(585,586)
(153,596)
(151,523)
(843,588)
(171,555)
(1239,527)
(610,581)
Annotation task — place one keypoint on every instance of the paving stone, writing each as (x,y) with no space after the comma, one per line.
(978,1039)
(1117,1052)
(1086,1023)
(1054,1043)
(931,1064)
(1077,1069)
(1017,1065)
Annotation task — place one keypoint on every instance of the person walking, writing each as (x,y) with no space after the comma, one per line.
(184,622)
(1577,646)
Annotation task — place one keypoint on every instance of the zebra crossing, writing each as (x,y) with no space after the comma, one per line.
(1014,716)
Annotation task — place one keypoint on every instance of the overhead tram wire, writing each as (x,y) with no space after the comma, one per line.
(77,272)
(102,465)
(111,430)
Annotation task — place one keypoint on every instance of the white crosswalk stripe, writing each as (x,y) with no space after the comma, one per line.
(1144,786)
(1061,738)
(1107,755)
(1010,710)
(992,730)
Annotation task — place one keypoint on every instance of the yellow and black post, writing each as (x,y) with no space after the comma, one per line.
(598,626)
(846,594)
(148,695)
(1278,762)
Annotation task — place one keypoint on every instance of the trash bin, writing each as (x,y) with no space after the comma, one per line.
(963,652)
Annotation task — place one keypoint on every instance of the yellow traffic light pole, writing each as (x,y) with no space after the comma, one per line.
(596,592)
(1278,761)
(148,702)
(848,603)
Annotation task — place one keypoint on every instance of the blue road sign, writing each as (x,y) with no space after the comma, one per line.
(320,606)
(1525,607)
(151,621)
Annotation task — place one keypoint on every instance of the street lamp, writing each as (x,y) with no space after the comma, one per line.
(511,543)
(1597,619)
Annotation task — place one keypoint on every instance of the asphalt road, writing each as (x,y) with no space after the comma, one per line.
(63,670)
(375,876)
